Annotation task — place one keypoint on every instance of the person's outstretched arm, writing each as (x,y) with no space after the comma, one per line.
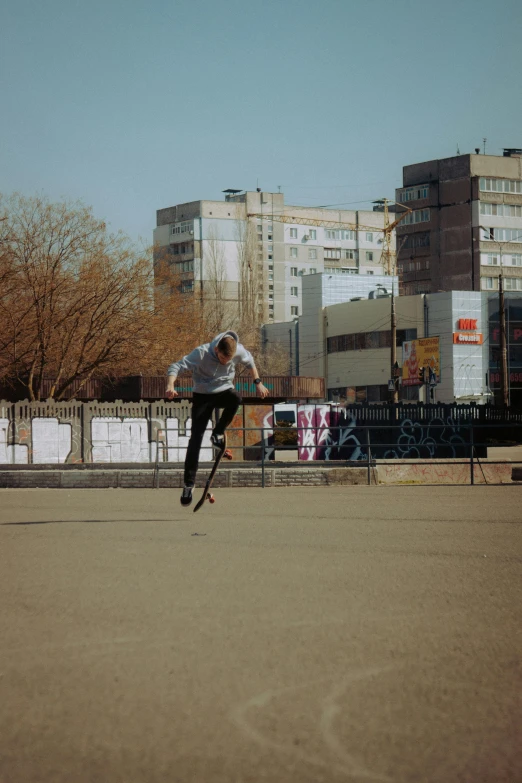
(261,390)
(188,362)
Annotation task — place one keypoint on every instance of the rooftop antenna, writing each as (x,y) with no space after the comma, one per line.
(458,151)
(279,188)
(484,140)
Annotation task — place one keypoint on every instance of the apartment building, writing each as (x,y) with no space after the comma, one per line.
(252,243)
(465,224)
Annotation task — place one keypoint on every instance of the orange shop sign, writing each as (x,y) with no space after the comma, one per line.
(468,338)
(467,323)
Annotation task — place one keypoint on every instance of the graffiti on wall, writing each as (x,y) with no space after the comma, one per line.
(328,434)
(116,432)
(336,434)
(435,438)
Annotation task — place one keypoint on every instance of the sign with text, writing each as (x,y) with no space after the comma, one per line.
(420,353)
(467,323)
(468,338)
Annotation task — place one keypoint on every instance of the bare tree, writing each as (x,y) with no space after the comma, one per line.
(78,301)
(251,277)
(216,309)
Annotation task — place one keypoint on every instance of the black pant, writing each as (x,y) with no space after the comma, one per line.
(203,406)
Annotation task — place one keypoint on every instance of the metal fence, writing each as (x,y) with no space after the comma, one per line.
(366,454)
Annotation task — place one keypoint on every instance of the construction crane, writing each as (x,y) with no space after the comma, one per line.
(387,255)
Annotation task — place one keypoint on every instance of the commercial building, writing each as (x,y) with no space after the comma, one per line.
(465,224)
(456,333)
(253,251)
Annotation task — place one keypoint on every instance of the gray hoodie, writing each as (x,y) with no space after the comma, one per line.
(209,376)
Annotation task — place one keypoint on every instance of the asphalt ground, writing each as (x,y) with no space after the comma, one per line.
(286,635)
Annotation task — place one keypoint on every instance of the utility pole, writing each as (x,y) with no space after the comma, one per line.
(297,346)
(504,386)
(393,358)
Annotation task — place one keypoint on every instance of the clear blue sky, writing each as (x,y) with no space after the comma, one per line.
(134,105)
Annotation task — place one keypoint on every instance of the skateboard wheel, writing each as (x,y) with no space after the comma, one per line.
(211,499)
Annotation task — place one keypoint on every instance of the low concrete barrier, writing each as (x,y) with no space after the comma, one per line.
(144,476)
(433,471)
(245,474)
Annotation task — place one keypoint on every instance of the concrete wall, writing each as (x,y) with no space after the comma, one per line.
(368,367)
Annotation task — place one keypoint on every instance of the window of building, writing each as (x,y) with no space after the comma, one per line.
(270,275)
(501,234)
(183,227)
(312,252)
(513,283)
(293,252)
(312,271)
(260,237)
(492,185)
(271,267)
(369,255)
(504,210)
(363,341)
(420,239)
(369,236)
(489,283)
(332,252)
(186,286)
(270,257)
(516,259)
(270,287)
(411,194)
(294,291)
(490,259)
(417,216)
(348,235)
(294,310)
(369,272)
(270,237)
(293,233)
(312,233)
(349,254)
(270,248)
(331,234)
(293,271)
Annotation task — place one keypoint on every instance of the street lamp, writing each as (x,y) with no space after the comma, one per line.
(502,313)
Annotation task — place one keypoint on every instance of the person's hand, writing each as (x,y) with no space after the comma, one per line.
(171,393)
(261,391)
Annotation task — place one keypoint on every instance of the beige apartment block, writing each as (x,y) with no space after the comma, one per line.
(253,239)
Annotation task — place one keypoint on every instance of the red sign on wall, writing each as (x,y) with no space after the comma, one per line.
(467,323)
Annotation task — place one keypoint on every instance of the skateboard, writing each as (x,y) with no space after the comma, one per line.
(207,495)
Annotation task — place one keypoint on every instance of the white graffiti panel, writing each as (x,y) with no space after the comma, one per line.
(52,441)
(177,443)
(9,454)
(120,440)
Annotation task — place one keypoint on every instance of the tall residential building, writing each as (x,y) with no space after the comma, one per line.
(252,251)
(465,223)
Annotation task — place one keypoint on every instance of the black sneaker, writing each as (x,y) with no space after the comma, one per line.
(217,440)
(186,496)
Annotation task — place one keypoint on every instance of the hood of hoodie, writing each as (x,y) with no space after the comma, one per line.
(214,343)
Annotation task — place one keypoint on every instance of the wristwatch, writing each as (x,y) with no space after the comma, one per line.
(257,380)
